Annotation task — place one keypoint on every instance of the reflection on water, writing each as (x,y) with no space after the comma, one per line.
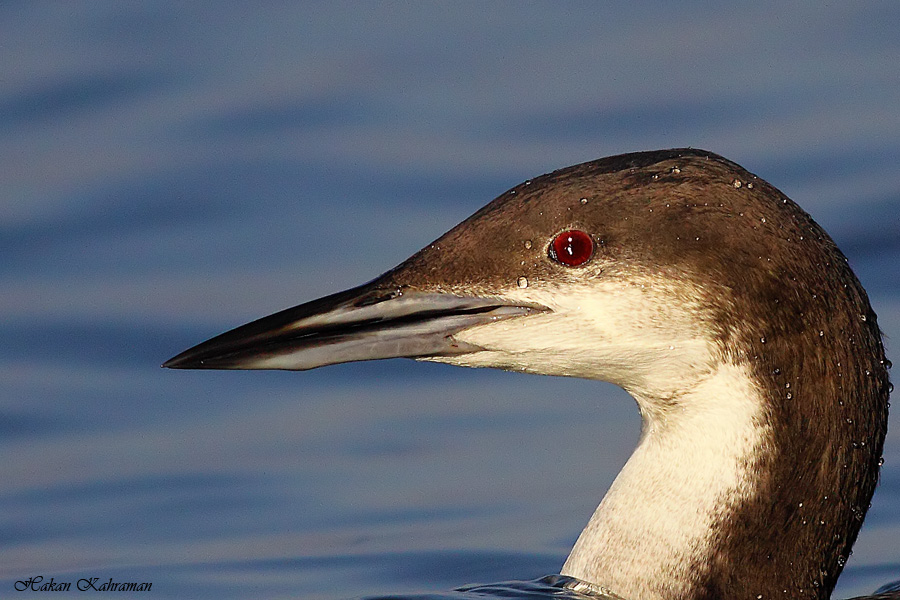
(552,586)
(167,175)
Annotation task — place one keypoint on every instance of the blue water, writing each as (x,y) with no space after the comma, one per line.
(170,171)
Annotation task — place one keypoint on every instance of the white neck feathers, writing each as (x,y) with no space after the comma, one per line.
(703,421)
(692,468)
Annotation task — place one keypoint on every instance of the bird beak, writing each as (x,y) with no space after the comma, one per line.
(369,322)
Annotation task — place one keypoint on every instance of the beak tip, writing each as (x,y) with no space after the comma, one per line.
(180,362)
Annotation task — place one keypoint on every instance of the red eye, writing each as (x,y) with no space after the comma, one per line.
(572,248)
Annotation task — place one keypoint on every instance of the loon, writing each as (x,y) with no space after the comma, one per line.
(729,315)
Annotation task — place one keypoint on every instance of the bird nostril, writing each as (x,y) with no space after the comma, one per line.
(572,248)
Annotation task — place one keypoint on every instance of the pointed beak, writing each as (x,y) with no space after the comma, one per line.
(369,322)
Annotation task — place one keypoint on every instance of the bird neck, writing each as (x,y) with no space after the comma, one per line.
(693,468)
(730,495)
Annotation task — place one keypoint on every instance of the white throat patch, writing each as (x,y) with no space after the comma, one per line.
(644,334)
(702,420)
(693,466)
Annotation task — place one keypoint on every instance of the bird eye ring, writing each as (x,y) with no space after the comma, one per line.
(571,248)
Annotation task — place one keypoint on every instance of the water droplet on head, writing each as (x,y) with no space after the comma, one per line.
(763,220)
(821,333)
(584,200)
(763,340)
(528,244)
(750,185)
(789,395)
(676,170)
(522,282)
(737,183)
